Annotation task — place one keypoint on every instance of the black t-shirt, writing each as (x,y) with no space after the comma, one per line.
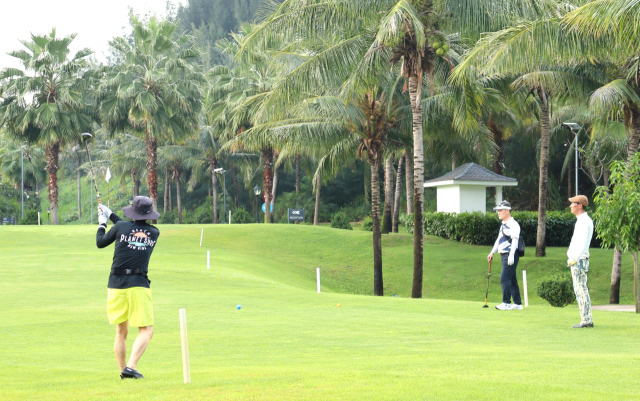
(135,241)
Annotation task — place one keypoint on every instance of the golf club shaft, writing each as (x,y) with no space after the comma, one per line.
(486,297)
(95,184)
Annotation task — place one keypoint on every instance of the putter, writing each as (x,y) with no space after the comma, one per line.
(487,294)
(95,184)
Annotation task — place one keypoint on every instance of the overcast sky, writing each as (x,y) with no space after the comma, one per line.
(95,22)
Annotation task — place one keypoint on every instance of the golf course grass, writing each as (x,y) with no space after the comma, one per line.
(287,342)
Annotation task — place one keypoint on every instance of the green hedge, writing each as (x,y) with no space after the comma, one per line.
(482,229)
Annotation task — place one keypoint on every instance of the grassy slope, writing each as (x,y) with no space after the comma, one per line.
(288,342)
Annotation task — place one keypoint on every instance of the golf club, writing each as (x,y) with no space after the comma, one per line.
(95,184)
(487,294)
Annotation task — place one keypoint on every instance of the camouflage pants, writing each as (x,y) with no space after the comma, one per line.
(579,274)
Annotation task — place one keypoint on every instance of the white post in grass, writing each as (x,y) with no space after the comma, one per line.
(318,278)
(201,234)
(38,218)
(208,260)
(524,282)
(229,216)
(185,346)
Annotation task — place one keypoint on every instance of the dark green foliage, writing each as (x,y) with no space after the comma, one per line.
(30,217)
(558,290)
(241,216)
(340,220)
(203,214)
(168,217)
(482,229)
(367,224)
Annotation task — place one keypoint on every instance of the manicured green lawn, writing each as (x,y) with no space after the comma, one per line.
(287,341)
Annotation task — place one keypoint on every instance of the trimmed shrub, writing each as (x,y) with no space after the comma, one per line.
(168,217)
(30,217)
(558,290)
(482,229)
(340,220)
(241,216)
(367,224)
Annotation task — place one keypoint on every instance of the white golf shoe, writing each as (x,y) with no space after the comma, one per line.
(516,306)
(503,306)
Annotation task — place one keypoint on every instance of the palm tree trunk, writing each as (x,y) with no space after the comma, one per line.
(79,179)
(213,164)
(388,195)
(152,168)
(53,153)
(275,184)
(267,180)
(415,83)
(136,184)
(498,138)
(396,203)
(378,288)
(316,218)
(234,177)
(179,198)
(170,199)
(616,269)
(543,190)
(167,190)
(409,179)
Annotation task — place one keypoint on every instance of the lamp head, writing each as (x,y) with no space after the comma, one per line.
(219,170)
(85,136)
(572,126)
(256,190)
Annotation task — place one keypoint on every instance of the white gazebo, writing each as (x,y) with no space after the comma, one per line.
(465,188)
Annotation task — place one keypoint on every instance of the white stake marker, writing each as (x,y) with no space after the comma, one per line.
(524,282)
(229,216)
(208,260)
(185,346)
(318,278)
(201,234)
(38,218)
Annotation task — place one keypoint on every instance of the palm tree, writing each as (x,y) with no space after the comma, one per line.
(155,92)
(402,32)
(46,101)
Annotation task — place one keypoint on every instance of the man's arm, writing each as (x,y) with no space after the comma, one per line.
(105,239)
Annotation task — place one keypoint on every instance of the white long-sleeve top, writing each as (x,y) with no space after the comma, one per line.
(582,233)
(511,228)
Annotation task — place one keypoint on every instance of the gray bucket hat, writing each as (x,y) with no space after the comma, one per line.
(141,209)
(504,205)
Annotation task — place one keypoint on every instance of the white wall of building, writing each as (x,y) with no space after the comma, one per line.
(449,198)
(473,198)
(462,198)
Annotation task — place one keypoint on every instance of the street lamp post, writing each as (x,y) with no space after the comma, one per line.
(256,190)
(224,190)
(575,130)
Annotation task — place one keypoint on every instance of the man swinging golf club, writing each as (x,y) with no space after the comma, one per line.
(507,245)
(129,301)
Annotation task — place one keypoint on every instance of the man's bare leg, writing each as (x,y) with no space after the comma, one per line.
(120,345)
(140,345)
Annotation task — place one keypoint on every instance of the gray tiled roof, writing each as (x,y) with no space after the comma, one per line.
(472,172)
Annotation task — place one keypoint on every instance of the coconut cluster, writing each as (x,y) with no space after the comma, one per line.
(441,48)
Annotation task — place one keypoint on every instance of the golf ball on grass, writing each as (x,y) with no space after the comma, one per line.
(338,305)
(239,306)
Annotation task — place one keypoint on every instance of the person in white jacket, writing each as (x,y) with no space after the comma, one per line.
(507,246)
(578,258)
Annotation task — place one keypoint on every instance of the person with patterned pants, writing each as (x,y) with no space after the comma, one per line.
(578,261)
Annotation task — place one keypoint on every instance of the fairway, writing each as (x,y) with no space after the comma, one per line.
(287,341)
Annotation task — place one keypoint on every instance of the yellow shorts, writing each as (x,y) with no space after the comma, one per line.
(133,304)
